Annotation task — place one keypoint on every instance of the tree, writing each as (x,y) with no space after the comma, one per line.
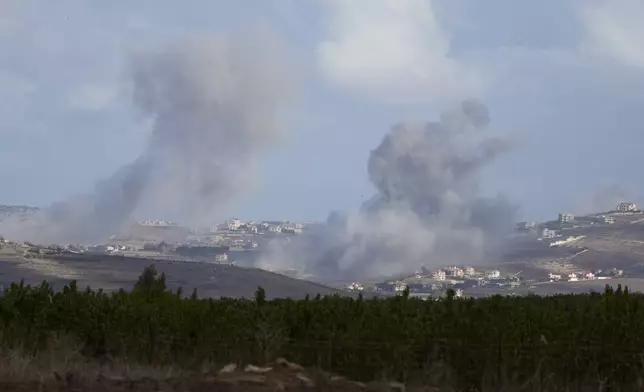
(148,283)
(260,295)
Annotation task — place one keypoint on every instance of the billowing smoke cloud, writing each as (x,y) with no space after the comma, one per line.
(425,212)
(215,104)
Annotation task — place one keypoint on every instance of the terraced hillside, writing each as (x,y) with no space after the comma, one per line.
(599,247)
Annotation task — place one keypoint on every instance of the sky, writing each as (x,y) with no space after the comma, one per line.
(566,77)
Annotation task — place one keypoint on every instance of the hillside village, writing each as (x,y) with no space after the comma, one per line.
(560,242)
(229,242)
(538,253)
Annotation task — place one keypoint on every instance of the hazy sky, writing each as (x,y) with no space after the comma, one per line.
(567,76)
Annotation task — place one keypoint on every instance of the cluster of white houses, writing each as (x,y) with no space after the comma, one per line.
(626,207)
(573,277)
(266,226)
(565,218)
(577,276)
(455,272)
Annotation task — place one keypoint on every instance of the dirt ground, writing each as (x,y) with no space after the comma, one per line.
(280,376)
(111,273)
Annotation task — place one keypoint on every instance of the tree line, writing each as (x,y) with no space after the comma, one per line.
(562,338)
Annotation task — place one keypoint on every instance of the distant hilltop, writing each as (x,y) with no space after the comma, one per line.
(569,220)
(8,211)
(11,208)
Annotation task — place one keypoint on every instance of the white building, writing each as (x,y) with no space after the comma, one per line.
(573,277)
(234,224)
(626,207)
(355,286)
(566,217)
(221,258)
(252,244)
(275,229)
(606,219)
(456,272)
(439,275)
(400,286)
(495,274)
(291,229)
(547,233)
(469,271)
(590,276)
(526,225)
(554,277)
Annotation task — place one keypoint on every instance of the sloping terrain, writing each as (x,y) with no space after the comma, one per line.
(619,246)
(602,247)
(281,375)
(114,272)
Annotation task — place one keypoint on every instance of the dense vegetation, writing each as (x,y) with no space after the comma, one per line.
(564,339)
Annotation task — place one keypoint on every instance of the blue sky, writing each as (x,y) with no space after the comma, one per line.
(566,76)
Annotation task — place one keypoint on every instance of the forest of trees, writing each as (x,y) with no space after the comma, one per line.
(564,338)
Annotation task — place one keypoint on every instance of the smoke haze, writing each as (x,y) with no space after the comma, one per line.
(426,211)
(605,199)
(215,104)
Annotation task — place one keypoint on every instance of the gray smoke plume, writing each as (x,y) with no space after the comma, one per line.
(215,104)
(425,212)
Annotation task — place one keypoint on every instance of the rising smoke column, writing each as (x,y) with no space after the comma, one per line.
(426,211)
(215,104)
